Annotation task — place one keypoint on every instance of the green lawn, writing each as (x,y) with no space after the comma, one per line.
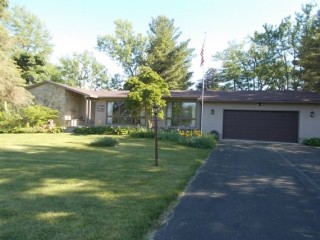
(55,186)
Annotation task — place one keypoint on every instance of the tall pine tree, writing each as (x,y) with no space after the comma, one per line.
(166,56)
(309,53)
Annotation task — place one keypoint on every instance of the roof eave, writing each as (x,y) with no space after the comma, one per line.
(259,101)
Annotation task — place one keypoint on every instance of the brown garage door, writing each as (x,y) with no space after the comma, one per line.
(261,125)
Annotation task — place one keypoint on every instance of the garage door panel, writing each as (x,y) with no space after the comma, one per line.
(261,125)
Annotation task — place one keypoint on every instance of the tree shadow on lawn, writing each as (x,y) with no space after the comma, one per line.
(66,193)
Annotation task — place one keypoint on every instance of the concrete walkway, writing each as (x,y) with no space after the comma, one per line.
(251,191)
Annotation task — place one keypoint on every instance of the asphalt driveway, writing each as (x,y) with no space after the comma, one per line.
(250,190)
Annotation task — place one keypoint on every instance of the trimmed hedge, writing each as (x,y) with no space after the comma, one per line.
(312,142)
(33,130)
(103,130)
(142,134)
(191,138)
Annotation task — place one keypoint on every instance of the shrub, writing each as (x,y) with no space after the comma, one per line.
(91,130)
(121,130)
(142,133)
(104,130)
(38,115)
(190,133)
(312,142)
(105,142)
(205,141)
(191,138)
(36,130)
(216,134)
(172,135)
(31,119)
(9,120)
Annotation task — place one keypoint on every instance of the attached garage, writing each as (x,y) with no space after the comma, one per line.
(279,126)
(277,116)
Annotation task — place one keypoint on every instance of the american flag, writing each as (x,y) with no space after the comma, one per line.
(201,54)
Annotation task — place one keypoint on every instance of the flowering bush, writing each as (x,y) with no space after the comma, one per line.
(194,138)
(190,133)
(191,138)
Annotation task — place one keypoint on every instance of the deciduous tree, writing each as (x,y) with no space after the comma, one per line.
(146,90)
(283,57)
(12,91)
(32,43)
(125,46)
(83,70)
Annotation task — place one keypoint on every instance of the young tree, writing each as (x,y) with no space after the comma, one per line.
(84,71)
(146,90)
(125,47)
(32,42)
(170,59)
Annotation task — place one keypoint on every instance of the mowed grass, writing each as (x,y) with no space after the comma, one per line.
(56,186)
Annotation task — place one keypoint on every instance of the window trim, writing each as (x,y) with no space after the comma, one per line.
(141,119)
(169,115)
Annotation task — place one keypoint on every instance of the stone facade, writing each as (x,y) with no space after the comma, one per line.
(71,106)
(51,96)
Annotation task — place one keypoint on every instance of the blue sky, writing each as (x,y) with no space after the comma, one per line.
(75,24)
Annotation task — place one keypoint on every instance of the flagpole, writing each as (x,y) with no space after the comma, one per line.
(202,94)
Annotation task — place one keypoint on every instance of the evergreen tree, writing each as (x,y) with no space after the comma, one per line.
(170,59)
(116,82)
(309,52)
(210,80)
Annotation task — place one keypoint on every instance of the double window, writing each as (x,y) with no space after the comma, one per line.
(118,114)
(181,114)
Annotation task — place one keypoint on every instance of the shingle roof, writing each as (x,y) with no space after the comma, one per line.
(262,96)
(85,92)
(184,94)
(209,95)
(112,94)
